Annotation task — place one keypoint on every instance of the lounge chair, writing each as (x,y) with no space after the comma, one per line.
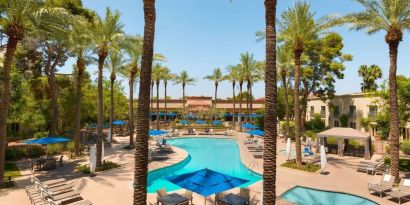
(161,193)
(369,167)
(307,151)
(188,195)
(218,197)
(245,193)
(251,141)
(403,191)
(385,184)
(257,155)
(81,202)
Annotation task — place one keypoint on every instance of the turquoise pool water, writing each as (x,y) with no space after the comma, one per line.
(221,155)
(307,196)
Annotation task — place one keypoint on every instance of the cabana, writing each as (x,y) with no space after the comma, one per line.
(342,135)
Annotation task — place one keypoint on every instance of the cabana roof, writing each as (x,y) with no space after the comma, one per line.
(342,132)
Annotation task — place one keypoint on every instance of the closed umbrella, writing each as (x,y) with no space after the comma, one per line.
(323,159)
(93,160)
(288,147)
(102,150)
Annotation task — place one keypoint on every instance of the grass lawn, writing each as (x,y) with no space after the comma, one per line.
(404,164)
(11,170)
(313,168)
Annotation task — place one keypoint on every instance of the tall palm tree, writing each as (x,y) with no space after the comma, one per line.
(393,17)
(184,79)
(233,76)
(216,77)
(157,73)
(298,26)
(107,31)
(370,74)
(166,77)
(269,155)
(141,151)
(241,80)
(114,63)
(133,47)
(80,45)
(284,62)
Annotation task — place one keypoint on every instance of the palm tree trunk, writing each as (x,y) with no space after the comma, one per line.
(5,97)
(77,131)
(247,102)
(269,155)
(131,110)
(112,102)
(54,104)
(298,54)
(240,106)
(165,103)
(250,103)
(394,113)
(100,109)
(183,101)
(141,151)
(152,95)
(287,115)
(233,97)
(216,97)
(157,105)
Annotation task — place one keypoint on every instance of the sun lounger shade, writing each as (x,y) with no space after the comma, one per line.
(249,126)
(119,122)
(157,132)
(206,182)
(47,140)
(256,132)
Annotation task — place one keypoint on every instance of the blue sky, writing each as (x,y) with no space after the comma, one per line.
(200,35)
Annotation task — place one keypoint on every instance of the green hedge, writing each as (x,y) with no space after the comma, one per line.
(313,168)
(19,152)
(405,147)
(404,163)
(85,169)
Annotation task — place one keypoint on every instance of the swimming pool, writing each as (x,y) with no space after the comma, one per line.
(308,196)
(221,155)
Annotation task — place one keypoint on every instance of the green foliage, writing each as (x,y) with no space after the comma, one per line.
(307,167)
(404,163)
(85,169)
(56,148)
(370,74)
(281,103)
(311,134)
(19,152)
(331,140)
(344,120)
(40,134)
(405,147)
(383,123)
(387,148)
(354,143)
(260,122)
(11,170)
(365,123)
(316,124)
(292,128)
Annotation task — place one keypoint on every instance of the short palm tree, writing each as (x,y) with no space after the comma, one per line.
(284,64)
(392,17)
(166,77)
(107,31)
(184,79)
(297,26)
(216,77)
(157,73)
(233,76)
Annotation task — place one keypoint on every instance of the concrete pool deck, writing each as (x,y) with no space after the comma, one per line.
(115,186)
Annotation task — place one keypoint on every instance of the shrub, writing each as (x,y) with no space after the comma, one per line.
(307,167)
(387,148)
(404,164)
(40,134)
(19,152)
(14,154)
(292,128)
(56,148)
(365,123)
(354,143)
(85,169)
(331,140)
(311,134)
(344,119)
(405,147)
(35,151)
(259,121)
(316,124)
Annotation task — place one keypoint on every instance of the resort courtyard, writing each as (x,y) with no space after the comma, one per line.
(115,186)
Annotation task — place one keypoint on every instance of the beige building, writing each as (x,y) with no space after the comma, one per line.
(355,106)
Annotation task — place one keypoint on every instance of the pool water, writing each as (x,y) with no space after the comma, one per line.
(221,155)
(308,196)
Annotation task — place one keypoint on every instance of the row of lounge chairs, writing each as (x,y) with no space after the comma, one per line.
(159,153)
(54,192)
(385,186)
(255,146)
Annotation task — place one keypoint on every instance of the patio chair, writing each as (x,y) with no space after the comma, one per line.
(81,202)
(385,184)
(257,155)
(245,193)
(188,195)
(251,140)
(367,167)
(218,197)
(403,191)
(307,151)
(161,193)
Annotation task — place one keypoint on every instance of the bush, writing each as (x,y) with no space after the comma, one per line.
(316,124)
(19,152)
(55,148)
(405,147)
(292,129)
(311,134)
(35,151)
(354,143)
(40,134)
(331,140)
(344,120)
(303,167)
(85,169)
(387,148)
(260,122)
(404,164)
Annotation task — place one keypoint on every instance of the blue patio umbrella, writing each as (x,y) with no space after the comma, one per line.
(249,126)
(206,182)
(190,115)
(47,140)
(184,122)
(119,122)
(227,115)
(157,132)
(200,122)
(172,114)
(216,122)
(256,132)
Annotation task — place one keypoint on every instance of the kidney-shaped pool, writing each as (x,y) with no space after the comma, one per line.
(221,155)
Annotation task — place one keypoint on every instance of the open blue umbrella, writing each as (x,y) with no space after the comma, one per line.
(119,122)
(190,115)
(184,122)
(200,122)
(249,126)
(47,140)
(172,114)
(216,122)
(157,132)
(206,182)
(256,132)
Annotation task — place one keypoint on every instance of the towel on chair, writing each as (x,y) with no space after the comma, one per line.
(406,182)
(386,177)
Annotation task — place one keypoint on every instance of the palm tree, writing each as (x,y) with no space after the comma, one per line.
(184,79)
(113,63)
(233,76)
(269,155)
(106,31)
(241,80)
(80,43)
(217,77)
(369,74)
(157,73)
(141,151)
(166,77)
(297,27)
(283,62)
(393,17)
(133,47)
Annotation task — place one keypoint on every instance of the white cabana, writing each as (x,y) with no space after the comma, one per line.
(342,134)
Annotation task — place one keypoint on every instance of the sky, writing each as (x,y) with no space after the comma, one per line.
(200,35)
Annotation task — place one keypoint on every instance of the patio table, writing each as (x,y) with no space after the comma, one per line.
(234,199)
(172,199)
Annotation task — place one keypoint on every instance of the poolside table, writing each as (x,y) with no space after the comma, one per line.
(172,199)
(234,199)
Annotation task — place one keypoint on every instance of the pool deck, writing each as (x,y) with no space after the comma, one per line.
(115,186)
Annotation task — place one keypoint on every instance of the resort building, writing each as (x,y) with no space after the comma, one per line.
(355,106)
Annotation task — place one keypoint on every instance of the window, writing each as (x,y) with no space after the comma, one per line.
(353,125)
(336,111)
(336,123)
(312,110)
(323,111)
(372,111)
(352,110)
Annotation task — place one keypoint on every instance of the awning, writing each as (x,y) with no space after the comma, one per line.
(343,132)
